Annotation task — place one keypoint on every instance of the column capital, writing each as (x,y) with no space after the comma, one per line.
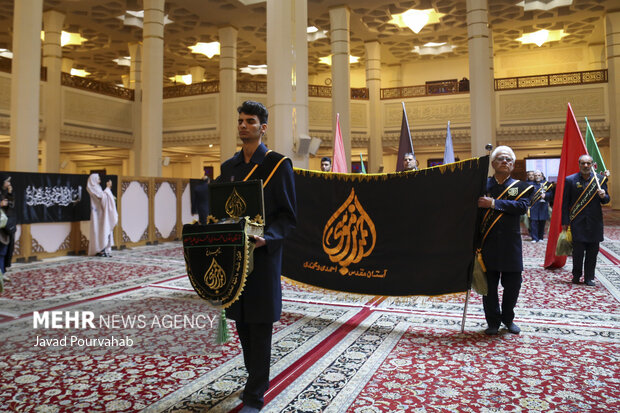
(135,50)
(340,7)
(53,20)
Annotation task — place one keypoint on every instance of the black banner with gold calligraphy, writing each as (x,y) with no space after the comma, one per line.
(218,260)
(408,233)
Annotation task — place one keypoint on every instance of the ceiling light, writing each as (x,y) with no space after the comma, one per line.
(207,49)
(543,4)
(312,29)
(250,2)
(68,39)
(542,36)
(79,72)
(327,60)
(6,53)
(123,61)
(139,13)
(318,34)
(431,44)
(136,18)
(254,69)
(210,145)
(187,79)
(433,50)
(416,19)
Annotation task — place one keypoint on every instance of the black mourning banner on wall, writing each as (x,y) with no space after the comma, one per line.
(43,197)
(409,233)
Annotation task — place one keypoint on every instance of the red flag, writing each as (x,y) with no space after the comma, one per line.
(573,147)
(340,160)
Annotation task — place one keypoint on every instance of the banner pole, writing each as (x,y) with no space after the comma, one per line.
(465,311)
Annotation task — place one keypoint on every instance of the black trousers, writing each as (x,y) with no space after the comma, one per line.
(537,229)
(590,250)
(511,281)
(256,344)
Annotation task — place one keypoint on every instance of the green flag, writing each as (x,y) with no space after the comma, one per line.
(362,162)
(593,151)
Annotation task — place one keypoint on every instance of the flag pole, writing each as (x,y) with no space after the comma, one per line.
(598,184)
(465,311)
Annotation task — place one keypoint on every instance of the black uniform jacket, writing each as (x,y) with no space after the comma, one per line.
(588,225)
(261,299)
(200,200)
(501,250)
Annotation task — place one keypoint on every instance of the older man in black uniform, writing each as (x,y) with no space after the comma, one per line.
(507,199)
(260,304)
(581,209)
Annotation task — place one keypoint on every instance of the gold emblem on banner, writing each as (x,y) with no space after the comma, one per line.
(215,276)
(349,234)
(513,191)
(235,205)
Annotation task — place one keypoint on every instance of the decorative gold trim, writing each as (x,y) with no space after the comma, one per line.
(383,176)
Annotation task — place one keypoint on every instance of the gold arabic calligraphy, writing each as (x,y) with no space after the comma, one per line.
(215,276)
(349,234)
(235,205)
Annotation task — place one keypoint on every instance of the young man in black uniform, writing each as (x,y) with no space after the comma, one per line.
(260,304)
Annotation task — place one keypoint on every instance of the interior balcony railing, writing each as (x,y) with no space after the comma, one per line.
(202,88)
(104,88)
(431,88)
(555,79)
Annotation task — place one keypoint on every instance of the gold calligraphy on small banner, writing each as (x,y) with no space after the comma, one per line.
(314,265)
(235,205)
(216,252)
(215,276)
(349,234)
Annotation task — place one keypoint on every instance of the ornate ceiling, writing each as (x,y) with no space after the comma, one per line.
(198,21)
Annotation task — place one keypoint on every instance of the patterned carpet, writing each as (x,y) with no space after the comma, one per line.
(332,352)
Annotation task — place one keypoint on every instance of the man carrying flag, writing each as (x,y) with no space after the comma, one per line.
(506,200)
(584,193)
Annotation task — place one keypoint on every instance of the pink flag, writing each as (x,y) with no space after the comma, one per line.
(340,160)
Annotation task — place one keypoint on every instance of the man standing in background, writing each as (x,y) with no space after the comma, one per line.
(584,193)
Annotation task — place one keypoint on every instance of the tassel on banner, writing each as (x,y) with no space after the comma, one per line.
(223,335)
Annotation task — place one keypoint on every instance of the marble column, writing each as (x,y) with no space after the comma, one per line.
(135,83)
(612,40)
(52,90)
(287,78)
(196,166)
(373,83)
(67,65)
(228,92)
(198,74)
(596,56)
(152,88)
(481,88)
(25,82)
(341,82)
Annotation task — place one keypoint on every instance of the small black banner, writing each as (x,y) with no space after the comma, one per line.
(409,233)
(217,257)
